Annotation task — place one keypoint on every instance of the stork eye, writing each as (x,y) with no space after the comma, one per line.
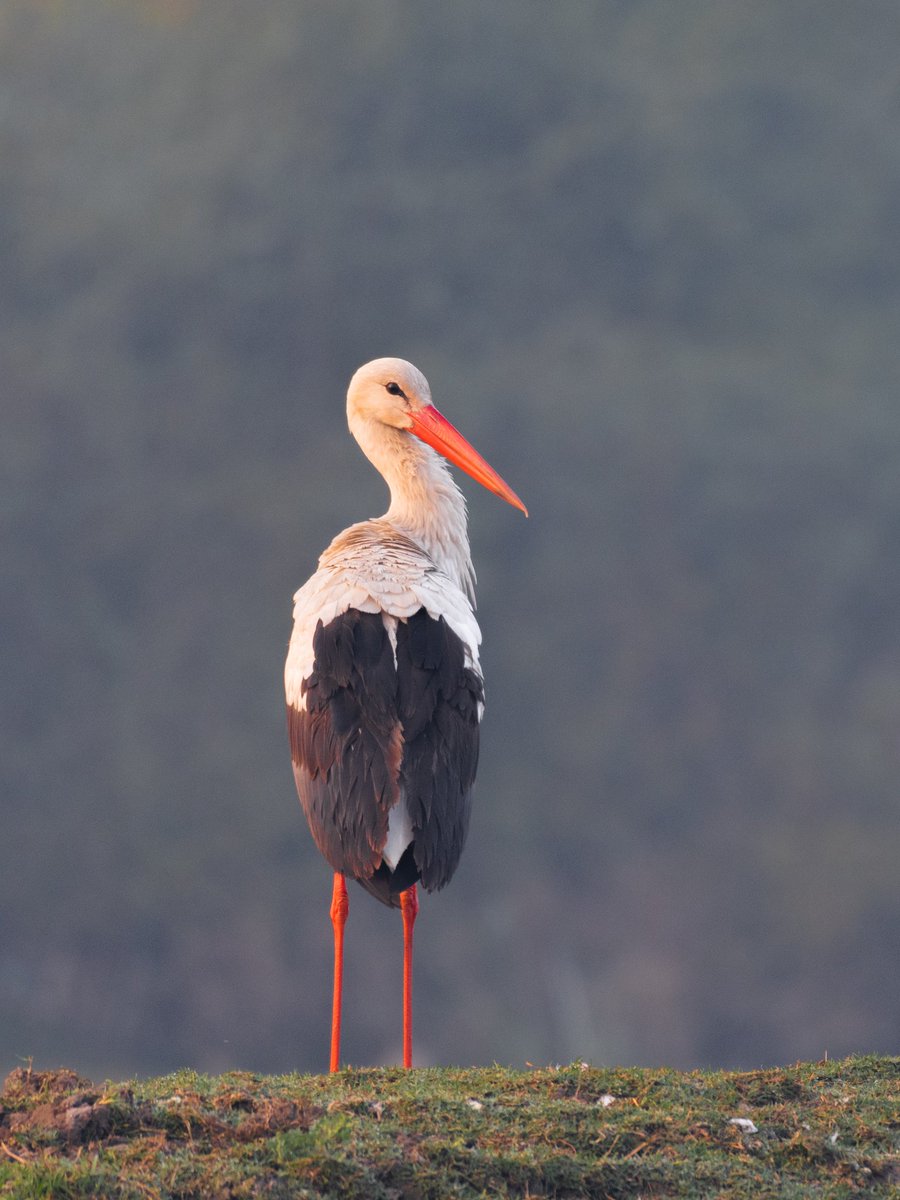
(395,389)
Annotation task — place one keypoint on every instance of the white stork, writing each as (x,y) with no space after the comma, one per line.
(383,685)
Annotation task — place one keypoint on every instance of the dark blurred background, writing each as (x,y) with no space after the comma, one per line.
(649,257)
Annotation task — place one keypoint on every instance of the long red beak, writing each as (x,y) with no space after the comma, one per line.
(437,432)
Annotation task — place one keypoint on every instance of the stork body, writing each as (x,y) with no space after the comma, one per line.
(382,679)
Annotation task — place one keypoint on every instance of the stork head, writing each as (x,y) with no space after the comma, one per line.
(387,390)
(391,391)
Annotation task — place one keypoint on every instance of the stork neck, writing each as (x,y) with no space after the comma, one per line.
(426,504)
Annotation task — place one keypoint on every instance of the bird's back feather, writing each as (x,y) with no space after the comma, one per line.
(384,694)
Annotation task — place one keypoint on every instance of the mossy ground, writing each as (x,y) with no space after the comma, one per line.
(829,1129)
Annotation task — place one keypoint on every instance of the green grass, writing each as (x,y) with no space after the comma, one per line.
(829,1129)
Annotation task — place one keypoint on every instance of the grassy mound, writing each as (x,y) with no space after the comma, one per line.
(829,1129)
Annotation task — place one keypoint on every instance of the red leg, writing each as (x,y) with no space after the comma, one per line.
(340,906)
(409,907)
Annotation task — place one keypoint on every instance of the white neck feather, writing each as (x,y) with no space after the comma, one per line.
(426,504)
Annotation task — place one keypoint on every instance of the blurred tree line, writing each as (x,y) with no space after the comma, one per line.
(647,256)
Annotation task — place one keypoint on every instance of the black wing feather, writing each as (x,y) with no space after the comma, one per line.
(439,710)
(372,726)
(345,745)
